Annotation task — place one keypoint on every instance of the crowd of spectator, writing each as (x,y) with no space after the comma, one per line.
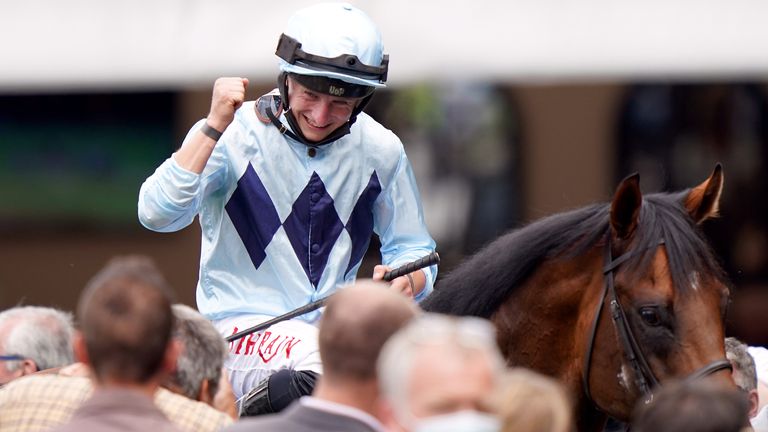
(132,360)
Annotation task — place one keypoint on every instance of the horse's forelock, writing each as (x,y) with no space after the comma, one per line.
(688,253)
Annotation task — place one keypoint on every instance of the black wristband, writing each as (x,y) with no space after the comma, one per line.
(210,132)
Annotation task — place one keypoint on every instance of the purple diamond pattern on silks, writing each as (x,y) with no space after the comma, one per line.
(313,228)
(253,214)
(360,223)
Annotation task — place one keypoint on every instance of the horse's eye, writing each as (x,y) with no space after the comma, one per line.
(650,315)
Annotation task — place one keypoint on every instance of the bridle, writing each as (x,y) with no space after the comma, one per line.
(645,379)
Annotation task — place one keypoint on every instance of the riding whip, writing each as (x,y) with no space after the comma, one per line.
(420,263)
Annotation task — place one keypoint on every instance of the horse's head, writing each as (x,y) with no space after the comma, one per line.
(610,299)
(664,296)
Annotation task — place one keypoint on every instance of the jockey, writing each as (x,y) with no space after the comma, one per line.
(289,190)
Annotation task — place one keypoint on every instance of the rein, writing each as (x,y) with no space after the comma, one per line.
(645,379)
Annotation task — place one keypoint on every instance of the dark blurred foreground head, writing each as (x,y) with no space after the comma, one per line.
(125,322)
(693,406)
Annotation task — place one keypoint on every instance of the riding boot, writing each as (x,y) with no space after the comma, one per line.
(277,392)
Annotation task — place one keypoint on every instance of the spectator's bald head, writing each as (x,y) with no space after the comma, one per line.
(356,323)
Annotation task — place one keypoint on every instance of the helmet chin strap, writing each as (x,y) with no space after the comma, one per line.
(295,131)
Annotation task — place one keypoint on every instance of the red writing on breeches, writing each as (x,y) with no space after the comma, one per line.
(267,345)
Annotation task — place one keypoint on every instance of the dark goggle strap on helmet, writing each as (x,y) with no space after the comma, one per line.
(289,49)
(333,87)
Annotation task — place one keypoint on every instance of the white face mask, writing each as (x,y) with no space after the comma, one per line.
(460,421)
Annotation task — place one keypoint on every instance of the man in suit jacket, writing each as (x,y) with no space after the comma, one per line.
(355,325)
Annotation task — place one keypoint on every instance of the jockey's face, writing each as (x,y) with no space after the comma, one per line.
(316,113)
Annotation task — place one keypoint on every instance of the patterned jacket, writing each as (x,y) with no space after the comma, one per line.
(284,224)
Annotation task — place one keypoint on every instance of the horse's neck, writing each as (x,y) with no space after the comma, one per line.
(540,323)
(555,293)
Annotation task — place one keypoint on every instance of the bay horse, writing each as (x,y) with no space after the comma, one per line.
(610,299)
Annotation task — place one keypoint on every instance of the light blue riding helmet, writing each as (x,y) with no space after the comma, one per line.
(330,48)
(334,40)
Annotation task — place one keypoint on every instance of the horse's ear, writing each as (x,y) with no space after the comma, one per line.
(703,201)
(625,208)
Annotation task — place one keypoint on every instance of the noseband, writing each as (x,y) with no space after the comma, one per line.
(645,380)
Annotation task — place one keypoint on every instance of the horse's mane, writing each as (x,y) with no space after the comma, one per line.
(483,281)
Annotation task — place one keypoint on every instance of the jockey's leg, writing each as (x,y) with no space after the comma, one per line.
(277,392)
(252,359)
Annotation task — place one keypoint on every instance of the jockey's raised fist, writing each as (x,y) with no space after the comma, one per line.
(228,96)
